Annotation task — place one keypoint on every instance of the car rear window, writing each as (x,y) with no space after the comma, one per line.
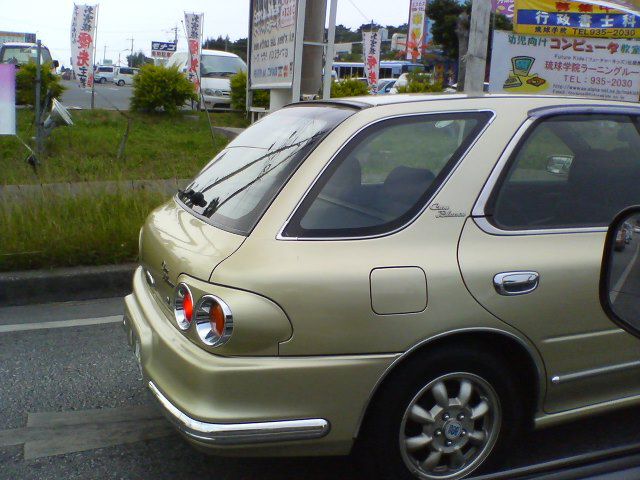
(235,188)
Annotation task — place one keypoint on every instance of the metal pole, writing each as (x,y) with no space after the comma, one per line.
(297,75)
(95,46)
(37,105)
(330,50)
(478,45)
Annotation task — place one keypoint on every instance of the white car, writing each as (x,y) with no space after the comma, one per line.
(216,68)
(124,76)
(104,73)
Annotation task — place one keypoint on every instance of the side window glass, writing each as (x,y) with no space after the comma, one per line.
(385,175)
(570,171)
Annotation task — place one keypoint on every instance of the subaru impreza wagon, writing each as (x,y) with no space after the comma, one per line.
(413,277)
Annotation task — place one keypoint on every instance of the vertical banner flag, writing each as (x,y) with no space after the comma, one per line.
(415,38)
(193,23)
(371,50)
(83,34)
(7,99)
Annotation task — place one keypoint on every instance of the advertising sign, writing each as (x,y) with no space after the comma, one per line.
(17,37)
(417,13)
(83,33)
(574,19)
(273,41)
(503,7)
(591,67)
(7,99)
(193,24)
(371,42)
(163,49)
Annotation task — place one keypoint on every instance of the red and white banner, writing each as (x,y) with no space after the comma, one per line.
(83,34)
(415,38)
(371,42)
(193,23)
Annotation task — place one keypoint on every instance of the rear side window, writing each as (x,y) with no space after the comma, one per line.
(570,171)
(385,175)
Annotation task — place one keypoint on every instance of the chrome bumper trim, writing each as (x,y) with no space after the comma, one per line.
(241,433)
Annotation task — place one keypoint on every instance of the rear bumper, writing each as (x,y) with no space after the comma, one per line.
(249,405)
(240,433)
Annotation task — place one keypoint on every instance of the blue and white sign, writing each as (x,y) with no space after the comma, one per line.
(163,49)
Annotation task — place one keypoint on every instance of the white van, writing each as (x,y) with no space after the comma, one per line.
(104,73)
(216,68)
(124,75)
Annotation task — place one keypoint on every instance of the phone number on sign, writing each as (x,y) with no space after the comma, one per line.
(611,82)
(605,32)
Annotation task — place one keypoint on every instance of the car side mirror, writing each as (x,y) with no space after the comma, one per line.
(620,275)
(56,64)
(559,164)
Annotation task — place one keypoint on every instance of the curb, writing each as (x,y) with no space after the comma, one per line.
(65,284)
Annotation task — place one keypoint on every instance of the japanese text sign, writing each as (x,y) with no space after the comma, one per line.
(371,42)
(273,41)
(193,24)
(415,38)
(575,19)
(586,67)
(7,99)
(162,49)
(83,34)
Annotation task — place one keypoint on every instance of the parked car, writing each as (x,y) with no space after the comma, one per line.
(104,73)
(21,53)
(124,75)
(398,274)
(453,88)
(216,68)
(385,85)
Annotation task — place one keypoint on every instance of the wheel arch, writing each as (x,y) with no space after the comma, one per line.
(527,360)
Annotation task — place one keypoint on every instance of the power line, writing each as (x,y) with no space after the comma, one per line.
(367,18)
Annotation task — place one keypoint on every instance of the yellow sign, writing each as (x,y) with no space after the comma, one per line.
(573,19)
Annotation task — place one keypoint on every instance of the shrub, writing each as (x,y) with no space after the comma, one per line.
(261,98)
(349,88)
(157,88)
(420,83)
(26,81)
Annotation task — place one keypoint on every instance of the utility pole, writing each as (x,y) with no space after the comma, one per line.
(175,34)
(131,50)
(478,45)
(104,53)
(37,105)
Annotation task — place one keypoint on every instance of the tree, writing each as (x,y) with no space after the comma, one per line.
(138,59)
(445,13)
(161,89)
(26,80)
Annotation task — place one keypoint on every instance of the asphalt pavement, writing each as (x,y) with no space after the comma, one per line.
(107,96)
(73,406)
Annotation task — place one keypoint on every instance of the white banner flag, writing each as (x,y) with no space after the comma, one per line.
(83,34)
(415,38)
(371,42)
(7,99)
(193,23)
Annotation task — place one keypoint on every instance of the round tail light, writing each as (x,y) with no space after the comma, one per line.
(214,322)
(183,306)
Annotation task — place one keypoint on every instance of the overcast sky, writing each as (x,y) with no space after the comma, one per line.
(147,20)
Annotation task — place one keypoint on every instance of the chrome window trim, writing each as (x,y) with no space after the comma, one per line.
(478,210)
(454,168)
(240,433)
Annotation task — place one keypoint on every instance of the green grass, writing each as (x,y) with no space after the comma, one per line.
(159,146)
(59,231)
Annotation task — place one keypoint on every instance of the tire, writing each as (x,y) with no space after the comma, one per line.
(121,83)
(414,429)
(102,80)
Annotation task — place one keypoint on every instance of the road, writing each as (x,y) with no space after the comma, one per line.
(73,406)
(107,96)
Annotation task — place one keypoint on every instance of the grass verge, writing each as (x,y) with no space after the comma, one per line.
(64,231)
(159,146)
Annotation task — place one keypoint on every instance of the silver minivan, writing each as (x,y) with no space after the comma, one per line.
(124,76)
(104,73)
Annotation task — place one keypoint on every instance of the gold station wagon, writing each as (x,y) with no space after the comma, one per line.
(414,276)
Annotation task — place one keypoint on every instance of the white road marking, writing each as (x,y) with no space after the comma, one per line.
(82,322)
(623,278)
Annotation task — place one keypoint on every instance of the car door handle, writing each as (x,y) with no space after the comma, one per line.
(516,283)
